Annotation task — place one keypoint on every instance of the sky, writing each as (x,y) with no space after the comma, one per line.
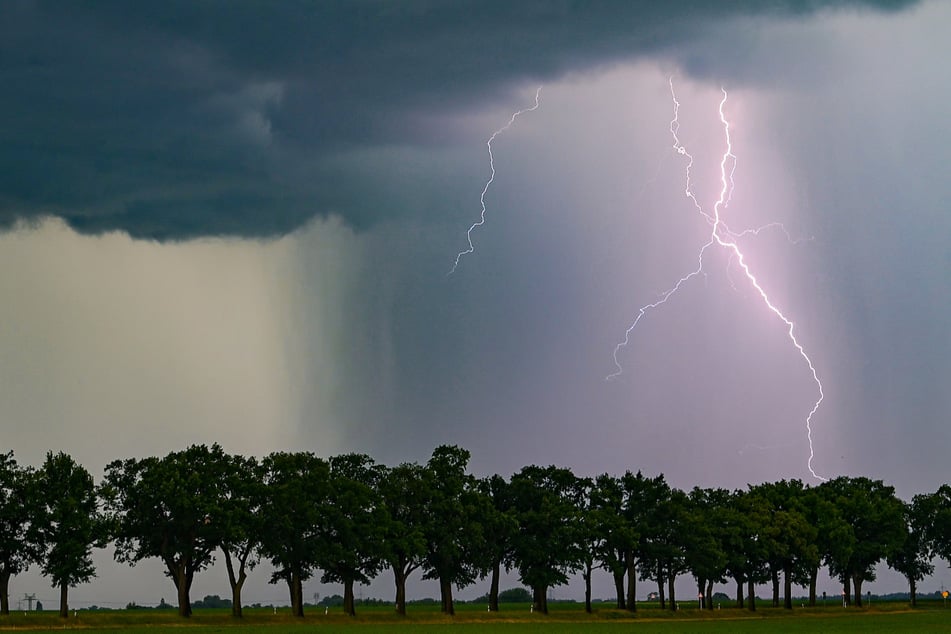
(234,223)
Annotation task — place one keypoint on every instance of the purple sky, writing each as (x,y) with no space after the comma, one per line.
(297,191)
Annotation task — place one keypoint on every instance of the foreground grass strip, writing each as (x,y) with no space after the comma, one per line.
(513,620)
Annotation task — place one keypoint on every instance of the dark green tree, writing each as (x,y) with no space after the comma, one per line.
(912,558)
(403,492)
(834,537)
(68,523)
(706,535)
(497,526)
(752,515)
(450,527)
(162,507)
(936,511)
(787,535)
(642,497)
(665,552)
(19,545)
(548,546)
(296,499)
(732,533)
(237,522)
(589,535)
(352,535)
(876,518)
(618,536)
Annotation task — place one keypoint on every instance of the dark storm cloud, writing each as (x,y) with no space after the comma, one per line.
(174,120)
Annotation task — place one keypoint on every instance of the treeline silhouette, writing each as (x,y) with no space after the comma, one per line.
(348,519)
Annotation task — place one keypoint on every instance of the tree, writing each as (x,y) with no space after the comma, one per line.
(403,490)
(732,532)
(641,502)
(834,537)
(450,528)
(498,524)
(619,538)
(787,535)
(664,552)
(875,516)
(162,507)
(707,531)
(68,523)
(19,546)
(547,547)
(512,595)
(912,558)
(751,514)
(936,511)
(237,522)
(590,536)
(351,538)
(297,491)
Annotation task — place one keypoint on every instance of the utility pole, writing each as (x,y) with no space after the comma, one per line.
(29,598)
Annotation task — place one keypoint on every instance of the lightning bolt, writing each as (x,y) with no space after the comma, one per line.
(720,235)
(488,183)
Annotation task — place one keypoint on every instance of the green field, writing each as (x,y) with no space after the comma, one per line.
(564,618)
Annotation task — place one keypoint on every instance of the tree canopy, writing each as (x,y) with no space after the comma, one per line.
(347,518)
(68,523)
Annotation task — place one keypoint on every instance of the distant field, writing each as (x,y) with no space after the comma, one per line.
(514,619)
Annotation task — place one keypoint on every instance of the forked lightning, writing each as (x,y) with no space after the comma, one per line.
(720,235)
(481,220)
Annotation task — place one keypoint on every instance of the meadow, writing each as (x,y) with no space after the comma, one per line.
(511,619)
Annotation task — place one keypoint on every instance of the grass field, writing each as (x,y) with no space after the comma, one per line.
(513,619)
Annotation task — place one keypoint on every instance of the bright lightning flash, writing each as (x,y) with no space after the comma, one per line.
(485,189)
(720,235)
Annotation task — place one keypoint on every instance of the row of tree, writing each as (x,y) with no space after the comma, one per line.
(349,518)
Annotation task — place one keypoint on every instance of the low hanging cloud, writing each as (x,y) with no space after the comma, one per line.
(177,120)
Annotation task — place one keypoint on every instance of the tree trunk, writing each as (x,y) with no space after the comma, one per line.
(296,589)
(184,602)
(290,591)
(847,590)
(348,605)
(857,586)
(913,591)
(494,587)
(586,575)
(739,593)
(299,587)
(751,594)
(236,581)
(701,594)
(619,589)
(774,576)
(400,578)
(178,572)
(64,600)
(709,597)
(445,592)
(540,598)
(661,592)
(670,591)
(787,589)
(631,583)
(236,600)
(299,592)
(189,577)
(813,577)
(5,593)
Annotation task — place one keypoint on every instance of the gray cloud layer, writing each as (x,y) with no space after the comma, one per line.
(176,120)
